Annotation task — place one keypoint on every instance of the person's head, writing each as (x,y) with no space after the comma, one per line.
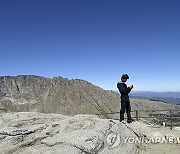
(124,77)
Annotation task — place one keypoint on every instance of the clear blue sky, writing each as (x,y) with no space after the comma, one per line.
(94,40)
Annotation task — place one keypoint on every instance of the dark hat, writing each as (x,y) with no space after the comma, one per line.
(125,76)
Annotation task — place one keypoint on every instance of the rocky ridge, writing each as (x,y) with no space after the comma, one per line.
(57,95)
(28,93)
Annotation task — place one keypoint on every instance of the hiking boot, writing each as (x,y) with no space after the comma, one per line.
(130,121)
(121,120)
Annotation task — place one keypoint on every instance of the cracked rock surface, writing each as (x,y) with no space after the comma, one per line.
(38,133)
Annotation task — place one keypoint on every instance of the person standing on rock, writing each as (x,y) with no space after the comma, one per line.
(125,102)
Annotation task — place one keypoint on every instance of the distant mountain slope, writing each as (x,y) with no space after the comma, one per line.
(168,97)
(61,95)
(57,95)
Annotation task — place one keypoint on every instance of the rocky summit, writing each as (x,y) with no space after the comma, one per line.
(39,133)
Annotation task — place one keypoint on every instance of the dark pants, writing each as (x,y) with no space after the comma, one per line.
(125,107)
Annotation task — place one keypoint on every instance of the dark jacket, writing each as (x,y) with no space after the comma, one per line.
(124,90)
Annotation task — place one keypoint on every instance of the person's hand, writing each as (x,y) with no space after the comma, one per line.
(131,87)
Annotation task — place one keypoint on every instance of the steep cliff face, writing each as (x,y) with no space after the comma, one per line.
(60,95)
(57,95)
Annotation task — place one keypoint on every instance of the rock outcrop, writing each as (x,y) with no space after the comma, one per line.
(35,133)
